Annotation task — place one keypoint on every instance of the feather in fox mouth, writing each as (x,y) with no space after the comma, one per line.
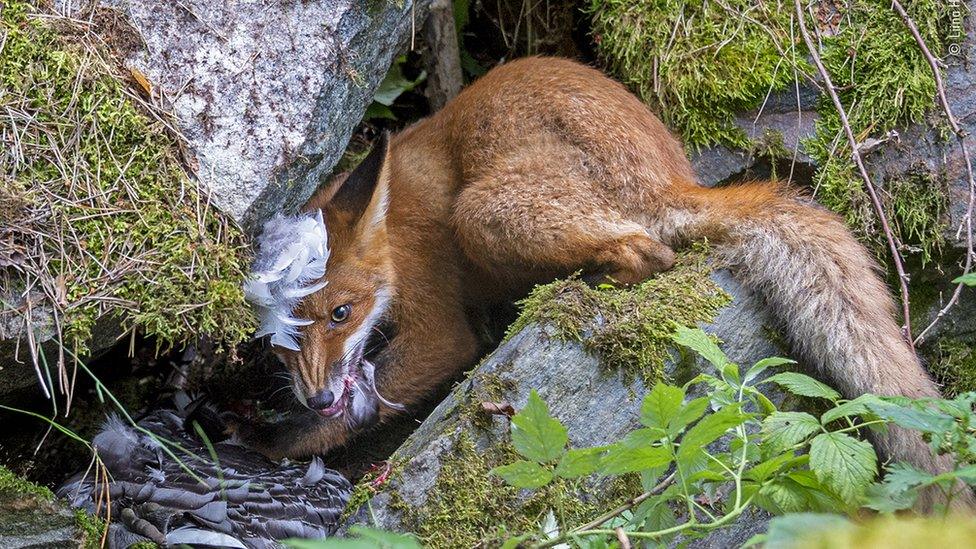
(359,398)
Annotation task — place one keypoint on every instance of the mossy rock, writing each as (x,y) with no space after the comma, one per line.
(31,517)
(440,487)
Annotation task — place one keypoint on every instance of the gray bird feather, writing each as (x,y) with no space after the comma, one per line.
(245,500)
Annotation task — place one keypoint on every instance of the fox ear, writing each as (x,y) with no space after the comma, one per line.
(365,193)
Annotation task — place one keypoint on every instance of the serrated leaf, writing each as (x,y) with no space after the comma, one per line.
(578,463)
(661,405)
(785,429)
(843,463)
(621,459)
(524,474)
(763,470)
(640,438)
(765,405)
(689,413)
(856,407)
(698,341)
(880,498)
(803,385)
(796,492)
(911,418)
(902,476)
(709,429)
(535,434)
(761,366)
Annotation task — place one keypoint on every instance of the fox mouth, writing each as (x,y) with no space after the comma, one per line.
(342,402)
(359,400)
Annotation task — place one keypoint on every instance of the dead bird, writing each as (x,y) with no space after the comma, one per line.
(218,494)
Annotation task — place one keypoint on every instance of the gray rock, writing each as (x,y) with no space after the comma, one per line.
(266,93)
(31,521)
(790,114)
(17,370)
(597,406)
(915,148)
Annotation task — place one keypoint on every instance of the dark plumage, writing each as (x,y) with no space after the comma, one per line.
(155,498)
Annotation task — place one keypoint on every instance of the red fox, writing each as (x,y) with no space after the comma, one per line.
(542,168)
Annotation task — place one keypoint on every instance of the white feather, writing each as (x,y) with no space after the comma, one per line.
(291,258)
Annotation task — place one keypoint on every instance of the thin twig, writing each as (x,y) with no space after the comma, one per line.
(872,192)
(627,505)
(622,538)
(961,137)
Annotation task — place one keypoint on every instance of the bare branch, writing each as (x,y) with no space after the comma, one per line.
(872,192)
(967,221)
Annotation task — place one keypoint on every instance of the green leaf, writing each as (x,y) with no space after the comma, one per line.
(792,530)
(394,84)
(698,341)
(785,429)
(689,413)
(661,405)
(377,110)
(535,434)
(843,463)
(766,469)
(763,364)
(709,429)
(578,463)
(903,476)
(765,405)
(911,418)
(803,385)
(967,279)
(622,459)
(524,474)
(856,407)
(883,499)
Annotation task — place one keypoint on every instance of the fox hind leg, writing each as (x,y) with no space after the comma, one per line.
(548,218)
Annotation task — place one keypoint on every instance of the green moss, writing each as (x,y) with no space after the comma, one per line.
(92,529)
(364,490)
(701,63)
(112,224)
(698,63)
(487,387)
(770,147)
(629,328)
(884,82)
(918,206)
(469,507)
(14,485)
(954,366)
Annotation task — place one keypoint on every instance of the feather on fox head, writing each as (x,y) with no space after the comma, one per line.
(321,294)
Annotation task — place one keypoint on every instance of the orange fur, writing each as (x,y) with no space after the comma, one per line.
(544,167)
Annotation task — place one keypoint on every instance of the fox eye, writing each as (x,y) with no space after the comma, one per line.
(341,313)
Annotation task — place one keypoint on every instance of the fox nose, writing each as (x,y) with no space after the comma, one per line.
(321,400)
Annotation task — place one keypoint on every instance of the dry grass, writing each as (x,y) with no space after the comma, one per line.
(99,217)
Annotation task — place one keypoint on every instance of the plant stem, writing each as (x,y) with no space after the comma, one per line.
(872,192)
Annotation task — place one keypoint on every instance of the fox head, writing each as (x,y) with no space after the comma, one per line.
(329,372)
